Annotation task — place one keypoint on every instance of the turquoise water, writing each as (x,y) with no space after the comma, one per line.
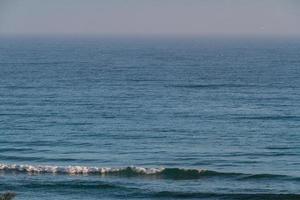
(150,118)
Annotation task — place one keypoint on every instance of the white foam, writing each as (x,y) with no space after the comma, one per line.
(75,169)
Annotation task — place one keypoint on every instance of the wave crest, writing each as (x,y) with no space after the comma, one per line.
(126,171)
(163,173)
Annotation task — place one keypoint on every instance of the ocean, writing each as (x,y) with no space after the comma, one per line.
(150,118)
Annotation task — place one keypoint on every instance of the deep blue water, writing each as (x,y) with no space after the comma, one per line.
(229,106)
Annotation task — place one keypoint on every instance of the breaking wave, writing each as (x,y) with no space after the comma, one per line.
(164,173)
(126,171)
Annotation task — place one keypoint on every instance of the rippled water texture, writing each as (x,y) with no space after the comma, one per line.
(151,118)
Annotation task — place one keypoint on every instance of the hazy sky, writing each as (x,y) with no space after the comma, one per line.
(150,17)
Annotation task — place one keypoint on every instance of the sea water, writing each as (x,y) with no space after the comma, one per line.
(150,118)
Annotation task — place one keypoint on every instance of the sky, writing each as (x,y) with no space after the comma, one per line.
(150,17)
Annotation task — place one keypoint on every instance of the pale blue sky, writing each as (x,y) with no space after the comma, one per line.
(150,17)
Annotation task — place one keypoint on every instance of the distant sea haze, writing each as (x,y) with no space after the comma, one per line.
(151,118)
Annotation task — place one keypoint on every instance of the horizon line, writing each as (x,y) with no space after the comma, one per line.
(131,35)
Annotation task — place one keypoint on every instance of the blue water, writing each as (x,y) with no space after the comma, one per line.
(217,118)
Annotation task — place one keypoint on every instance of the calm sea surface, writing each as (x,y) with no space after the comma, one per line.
(150,118)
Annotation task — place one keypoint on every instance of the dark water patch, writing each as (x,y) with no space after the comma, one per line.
(175,173)
(168,173)
(27,115)
(271,118)
(74,184)
(146,80)
(279,147)
(43,63)
(225,196)
(212,86)
(40,143)
(16,149)
(267,176)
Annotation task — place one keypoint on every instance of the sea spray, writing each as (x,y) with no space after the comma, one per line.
(126,171)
